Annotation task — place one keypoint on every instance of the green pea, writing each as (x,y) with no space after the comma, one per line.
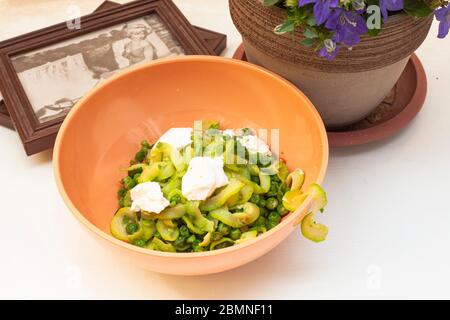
(180,241)
(271,203)
(271,193)
(223,229)
(262,203)
(121,202)
(263,212)
(282,210)
(174,200)
(260,222)
(136,177)
(271,225)
(191,239)
(184,231)
(274,187)
(140,243)
(235,234)
(255,198)
(141,154)
(259,225)
(132,227)
(274,217)
(128,183)
(121,193)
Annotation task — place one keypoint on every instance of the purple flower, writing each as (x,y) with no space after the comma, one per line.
(348,26)
(329,50)
(391,5)
(321,8)
(443,16)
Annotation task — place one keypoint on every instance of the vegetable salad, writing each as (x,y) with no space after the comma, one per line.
(169,204)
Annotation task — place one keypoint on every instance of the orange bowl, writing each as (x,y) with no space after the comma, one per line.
(103,131)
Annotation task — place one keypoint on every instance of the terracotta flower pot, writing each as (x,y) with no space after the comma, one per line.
(346,89)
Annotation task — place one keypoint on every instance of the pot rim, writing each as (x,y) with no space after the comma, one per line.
(399,38)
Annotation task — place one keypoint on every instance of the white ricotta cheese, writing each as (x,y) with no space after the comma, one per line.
(254,144)
(203,176)
(148,196)
(177,137)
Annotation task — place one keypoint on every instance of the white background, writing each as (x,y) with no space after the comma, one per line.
(389,216)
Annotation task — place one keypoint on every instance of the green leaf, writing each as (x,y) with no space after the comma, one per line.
(308,42)
(417,9)
(310,33)
(311,21)
(286,26)
(270,2)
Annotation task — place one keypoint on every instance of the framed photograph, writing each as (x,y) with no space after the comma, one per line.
(215,41)
(44,74)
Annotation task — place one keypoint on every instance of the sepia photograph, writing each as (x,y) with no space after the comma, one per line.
(56,77)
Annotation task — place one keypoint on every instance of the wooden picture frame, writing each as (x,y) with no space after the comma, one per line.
(216,41)
(38,135)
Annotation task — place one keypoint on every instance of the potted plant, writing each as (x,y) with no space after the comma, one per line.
(346,55)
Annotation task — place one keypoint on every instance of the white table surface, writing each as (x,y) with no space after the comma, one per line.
(388,214)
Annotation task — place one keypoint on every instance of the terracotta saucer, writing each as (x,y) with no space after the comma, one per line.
(396,111)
